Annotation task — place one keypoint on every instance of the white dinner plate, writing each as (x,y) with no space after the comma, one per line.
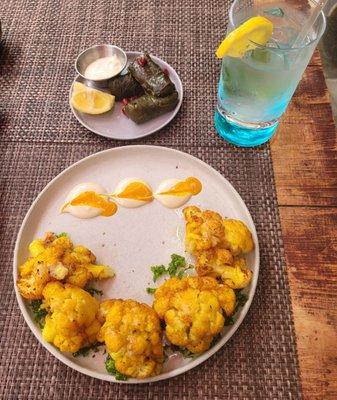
(133,239)
(114,124)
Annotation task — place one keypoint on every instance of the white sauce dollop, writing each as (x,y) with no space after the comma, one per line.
(125,202)
(103,68)
(168,200)
(83,212)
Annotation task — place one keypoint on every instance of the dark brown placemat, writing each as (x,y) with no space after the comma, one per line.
(40,137)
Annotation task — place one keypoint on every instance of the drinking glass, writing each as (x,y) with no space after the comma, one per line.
(254,90)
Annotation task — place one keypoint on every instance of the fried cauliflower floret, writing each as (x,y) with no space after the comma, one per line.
(220,263)
(132,334)
(212,262)
(55,258)
(34,277)
(238,238)
(71,322)
(237,276)
(44,266)
(216,244)
(204,229)
(192,308)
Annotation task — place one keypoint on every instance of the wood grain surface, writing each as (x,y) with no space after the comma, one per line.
(304,155)
(305,146)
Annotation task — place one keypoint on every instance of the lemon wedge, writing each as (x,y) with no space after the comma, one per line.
(256,29)
(79,87)
(91,101)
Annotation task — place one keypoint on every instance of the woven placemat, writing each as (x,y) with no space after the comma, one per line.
(40,137)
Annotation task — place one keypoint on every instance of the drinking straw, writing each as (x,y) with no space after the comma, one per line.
(310,22)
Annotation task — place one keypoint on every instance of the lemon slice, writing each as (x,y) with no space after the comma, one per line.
(79,87)
(91,101)
(256,29)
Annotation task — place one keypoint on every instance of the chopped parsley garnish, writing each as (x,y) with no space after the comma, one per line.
(158,271)
(229,321)
(94,291)
(111,368)
(150,290)
(62,234)
(215,339)
(177,267)
(176,263)
(84,351)
(241,299)
(39,313)
(182,272)
(186,353)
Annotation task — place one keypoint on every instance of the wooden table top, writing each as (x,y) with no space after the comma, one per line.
(305,166)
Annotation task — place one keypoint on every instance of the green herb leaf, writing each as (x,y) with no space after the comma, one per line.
(177,267)
(111,368)
(275,12)
(39,313)
(229,321)
(186,353)
(84,351)
(94,291)
(215,339)
(62,234)
(176,263)
(158,271)
(182,272)
(150,290)
(241,299)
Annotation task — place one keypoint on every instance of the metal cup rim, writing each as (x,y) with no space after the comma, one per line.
(93,47)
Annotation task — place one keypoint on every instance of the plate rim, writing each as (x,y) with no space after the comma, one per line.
(167,375)
(175,111)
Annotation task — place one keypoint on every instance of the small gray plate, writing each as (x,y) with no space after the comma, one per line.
(115,125)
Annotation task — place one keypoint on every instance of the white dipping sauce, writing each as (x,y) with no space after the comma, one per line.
(128,202)
(170,200)
(103,68)
(83,212)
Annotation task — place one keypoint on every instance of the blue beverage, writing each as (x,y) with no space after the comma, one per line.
(254,90)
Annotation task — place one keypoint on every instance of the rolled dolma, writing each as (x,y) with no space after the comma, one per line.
(147,107)
(153,80)
(124,86)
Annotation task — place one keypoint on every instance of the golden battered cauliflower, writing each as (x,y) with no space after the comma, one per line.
(212,262)
(71,322)
(192,308)
(204,229)
(220,263)
(132,334)
(216,242)
(237,276)
(238,238)
(55,259)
